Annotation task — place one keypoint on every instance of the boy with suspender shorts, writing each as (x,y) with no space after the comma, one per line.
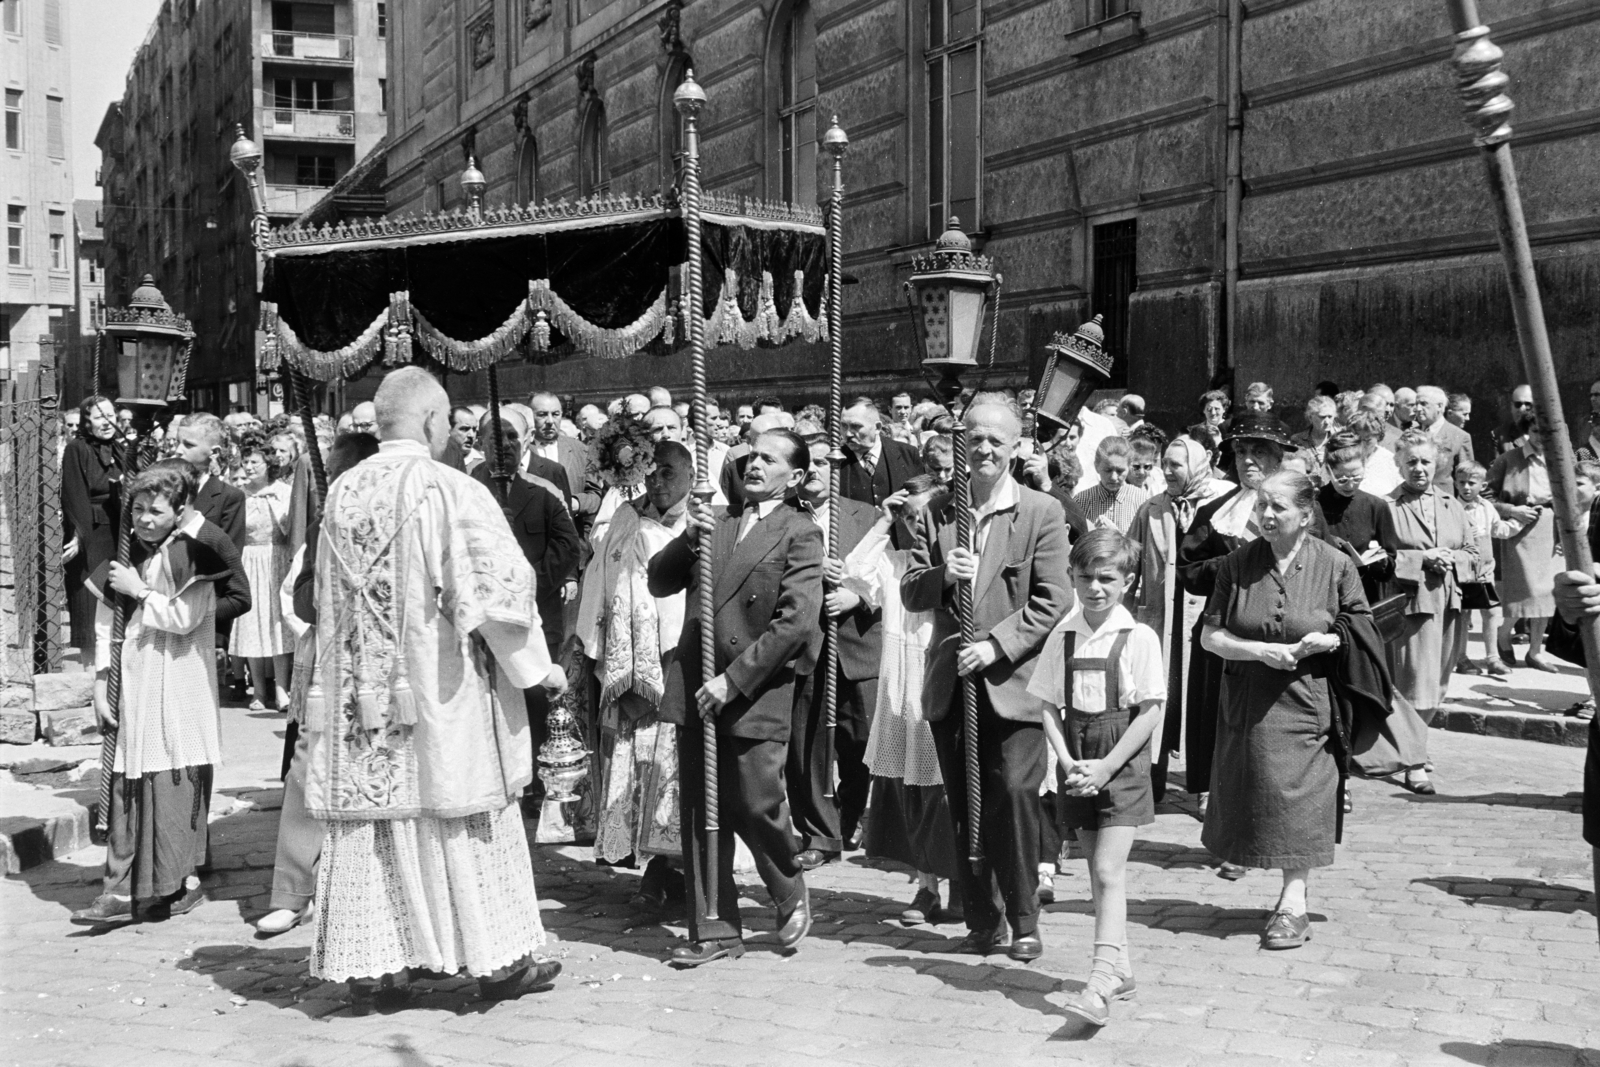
(1101,678)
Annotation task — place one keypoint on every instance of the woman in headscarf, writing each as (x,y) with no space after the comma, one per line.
(91,468)
(1258,441)
(1158,599)
(1359,517)
(1430,540)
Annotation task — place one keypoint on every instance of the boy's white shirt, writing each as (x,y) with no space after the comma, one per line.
(1143,676)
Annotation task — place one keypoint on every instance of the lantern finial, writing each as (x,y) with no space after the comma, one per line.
(1079,364)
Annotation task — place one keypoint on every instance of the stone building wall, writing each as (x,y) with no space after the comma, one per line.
(1364,237)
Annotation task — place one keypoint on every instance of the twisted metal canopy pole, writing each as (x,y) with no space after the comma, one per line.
(962,488)
(835,143)
(1481,84)
(119,625)
(300,399)
(689,99)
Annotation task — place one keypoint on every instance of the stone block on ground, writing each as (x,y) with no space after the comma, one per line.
(18,726)
(70,726)
(16,696)
(52,692)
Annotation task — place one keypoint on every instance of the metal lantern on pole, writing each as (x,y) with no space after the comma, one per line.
(150,346)
(473,184)
(949,293)
(1079,364)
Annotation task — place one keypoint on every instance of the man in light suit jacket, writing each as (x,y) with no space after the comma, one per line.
(1454,443)
(829,825)
(767,565)
(1020,590)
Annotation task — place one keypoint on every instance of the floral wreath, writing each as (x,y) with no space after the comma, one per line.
(622,452)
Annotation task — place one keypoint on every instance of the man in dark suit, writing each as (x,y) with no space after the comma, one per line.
(547,473)
(200,439)
(875,466)
(549,443)
(1020,590)
(829,825)
(537,512)
(767,563)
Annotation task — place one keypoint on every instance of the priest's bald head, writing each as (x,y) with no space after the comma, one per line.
(413,406)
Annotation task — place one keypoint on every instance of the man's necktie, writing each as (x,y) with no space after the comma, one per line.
(748,522)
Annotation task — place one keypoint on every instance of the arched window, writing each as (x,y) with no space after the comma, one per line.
(795,43)
(671,121)
(527,170)
(594,176)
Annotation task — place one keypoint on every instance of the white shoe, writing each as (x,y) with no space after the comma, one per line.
(283,920)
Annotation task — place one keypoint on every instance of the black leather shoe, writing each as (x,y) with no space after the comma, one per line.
(523,980)
(924,907)
(983,942)
(106,910)
(812,858)
(369,994)
(1286,931)
(1026,948)
(1232,871)
(852,839)
(793,927)
(699,953)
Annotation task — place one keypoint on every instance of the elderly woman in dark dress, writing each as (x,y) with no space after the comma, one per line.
(1275,781)
(91,467)
(1357,516)
(1258,442)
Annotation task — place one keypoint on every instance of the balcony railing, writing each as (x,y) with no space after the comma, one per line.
(293,199)
(314,125)
(317,47)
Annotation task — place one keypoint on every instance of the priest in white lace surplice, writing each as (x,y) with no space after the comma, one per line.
(627,633)
(419,746)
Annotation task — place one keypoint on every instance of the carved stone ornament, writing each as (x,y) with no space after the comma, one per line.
(519,114)
(480,39)
(670,27)
(586,77)
(534,13)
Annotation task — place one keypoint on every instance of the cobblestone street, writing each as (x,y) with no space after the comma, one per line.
(1453,930)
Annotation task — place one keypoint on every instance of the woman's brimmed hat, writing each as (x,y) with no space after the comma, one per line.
(1258,426)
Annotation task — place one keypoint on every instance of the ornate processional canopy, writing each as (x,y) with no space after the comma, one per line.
(595,277)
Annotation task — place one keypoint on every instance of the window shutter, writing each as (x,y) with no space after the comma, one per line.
(55,139)
(52,21)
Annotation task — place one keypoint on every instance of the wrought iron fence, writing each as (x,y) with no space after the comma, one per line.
(30,520)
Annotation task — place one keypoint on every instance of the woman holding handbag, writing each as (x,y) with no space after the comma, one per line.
(1430,540)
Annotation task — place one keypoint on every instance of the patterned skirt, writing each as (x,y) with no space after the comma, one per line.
(443,894)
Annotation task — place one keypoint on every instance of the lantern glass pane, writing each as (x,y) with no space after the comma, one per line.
(154,369)
(935,301)
(966,323)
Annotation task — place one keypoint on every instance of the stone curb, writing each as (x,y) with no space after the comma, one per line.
(27,842)
(1548,729)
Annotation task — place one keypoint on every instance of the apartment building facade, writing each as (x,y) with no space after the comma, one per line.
(306,81)
(37,287)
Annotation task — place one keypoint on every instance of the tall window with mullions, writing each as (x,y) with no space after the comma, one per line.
(797,106)
(1116,276)
(955,129)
